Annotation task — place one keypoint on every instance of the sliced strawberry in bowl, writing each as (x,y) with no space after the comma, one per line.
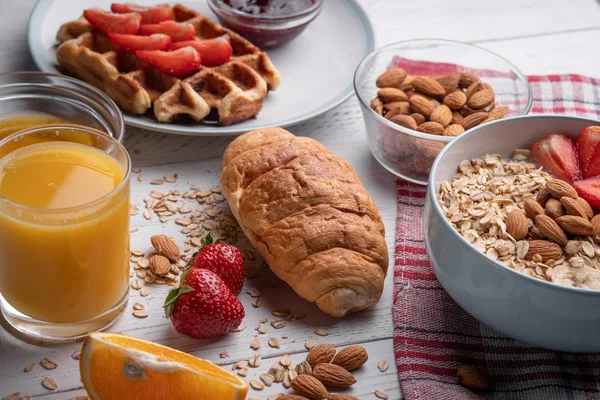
(557,155)
(178,31)
(150,15)
(589,189)
(107,22)
(179,63)
(213,51)
(157,41)
(588,147)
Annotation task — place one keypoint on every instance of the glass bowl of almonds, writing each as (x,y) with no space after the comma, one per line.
(418,95)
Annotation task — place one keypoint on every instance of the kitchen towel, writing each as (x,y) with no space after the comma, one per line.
(434,337)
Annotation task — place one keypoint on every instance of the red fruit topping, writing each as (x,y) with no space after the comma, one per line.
(589,189)
(203,306)
(135,42)
(225,261)
(180,63)
(557,155)
(178,31)
(150,15)
(107,22)
(588,147)
(213,51)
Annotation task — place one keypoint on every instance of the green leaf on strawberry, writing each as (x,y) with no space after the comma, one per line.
(174,295)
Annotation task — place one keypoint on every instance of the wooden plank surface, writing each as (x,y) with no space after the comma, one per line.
(539,36)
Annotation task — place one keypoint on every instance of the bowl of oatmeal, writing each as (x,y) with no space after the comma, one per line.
(482,236)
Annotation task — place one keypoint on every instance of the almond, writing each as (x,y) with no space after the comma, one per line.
(340,396)
(466,111)
(377,105)
(309,386)
(441,114)
(419,119)
(589,212)
(333,375)
(499,112)
(160,265)
(428,86)
(481,99)
(543,196)
(545,249)
(421,105)
(405,121)
(466,80)
(449,81)
(453,130)
(455,100)
(351,357)
(574,207)
(322,353)
(457,118)
(403,106)
(472,89)
(516,224)
(550,229)
(431,127)
(407,84)
(596,226)
(473,120)
(554,208)
(391,94)
(532,208)
(474,378)
(559,189)
(391,78)
(165,246)
(575,225)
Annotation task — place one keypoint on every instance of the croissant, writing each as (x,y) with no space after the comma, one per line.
(306,211)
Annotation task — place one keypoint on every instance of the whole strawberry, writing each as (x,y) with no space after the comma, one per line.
(224,260)
(203,306)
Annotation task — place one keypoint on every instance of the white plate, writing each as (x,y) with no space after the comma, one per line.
(316,67)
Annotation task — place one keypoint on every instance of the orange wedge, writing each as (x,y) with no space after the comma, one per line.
(118,367)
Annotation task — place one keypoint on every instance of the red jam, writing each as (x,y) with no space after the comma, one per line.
(275,8)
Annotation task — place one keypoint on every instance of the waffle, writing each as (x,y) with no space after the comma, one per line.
(235,89)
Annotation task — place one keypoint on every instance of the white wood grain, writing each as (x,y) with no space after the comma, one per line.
(539,36)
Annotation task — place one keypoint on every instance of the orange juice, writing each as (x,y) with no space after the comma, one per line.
(15,123)
(64,231)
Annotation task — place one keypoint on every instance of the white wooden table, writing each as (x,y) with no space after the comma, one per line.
(539,36)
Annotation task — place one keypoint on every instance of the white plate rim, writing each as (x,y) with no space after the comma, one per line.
(37,52)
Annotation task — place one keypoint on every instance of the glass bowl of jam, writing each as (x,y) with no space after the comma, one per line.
(266,23)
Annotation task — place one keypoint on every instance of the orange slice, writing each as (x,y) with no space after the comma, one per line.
(114,366)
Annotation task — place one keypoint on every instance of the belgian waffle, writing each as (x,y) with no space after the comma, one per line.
(235,89)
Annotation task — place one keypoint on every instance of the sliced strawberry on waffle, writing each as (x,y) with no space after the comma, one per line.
(589,189)
(150,15)
(158,41)
(557,154)
(588,147)
(178,31)
(107,22)
(179,63)
(213,51)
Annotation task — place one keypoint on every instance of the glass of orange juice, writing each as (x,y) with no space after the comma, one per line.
(64,230)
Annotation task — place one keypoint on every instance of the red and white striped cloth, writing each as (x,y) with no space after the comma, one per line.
(433,336)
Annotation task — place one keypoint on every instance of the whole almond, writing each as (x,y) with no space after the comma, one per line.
(466,111)
(449,81)
(554,208)
(575,225)
(421,105)
(453,130)
(498,112)
(428,86)
(377,105)
(457,118)
(547,250)
(405,121)
(589,212)
(441,114)
(474,378)
(550,229)
(543,196)
(466,80)
(351,357)
(322,353)
(341,396)
(403,106)
(391,78)
(419,119)
(401,110)
(391,94)
(481,99)
(165,246)
(472,89)
(431,127)
(596,226)
(160,265)
(455,100)
(574,207)
(516,224)
(333,375)
(474,120)
(407,83)
(559,189)
(309,386)
(532,208)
